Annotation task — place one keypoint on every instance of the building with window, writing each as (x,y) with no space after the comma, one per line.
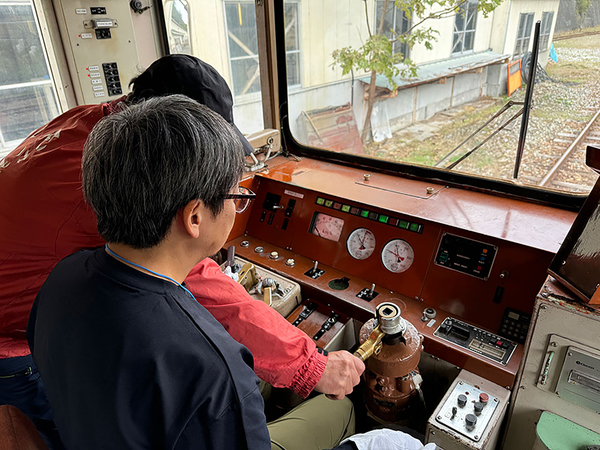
(467,61)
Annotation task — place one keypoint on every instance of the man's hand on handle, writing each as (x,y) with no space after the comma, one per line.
(342,373)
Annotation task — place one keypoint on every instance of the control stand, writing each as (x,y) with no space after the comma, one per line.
(470,414)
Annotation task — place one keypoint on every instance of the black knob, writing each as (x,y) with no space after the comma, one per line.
(478,407)
(454,411)
(462,400)
(470,421)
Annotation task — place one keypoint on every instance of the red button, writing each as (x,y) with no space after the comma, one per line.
(483,397)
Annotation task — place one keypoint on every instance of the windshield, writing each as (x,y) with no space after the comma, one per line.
(433,84)
(443,86)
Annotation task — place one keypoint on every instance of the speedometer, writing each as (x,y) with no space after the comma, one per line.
(361,243)
(397,256)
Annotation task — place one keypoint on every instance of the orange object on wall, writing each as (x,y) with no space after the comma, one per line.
(514,76)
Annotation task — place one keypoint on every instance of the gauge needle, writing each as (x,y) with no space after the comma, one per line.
(400,258)
(362,242)
(318,233)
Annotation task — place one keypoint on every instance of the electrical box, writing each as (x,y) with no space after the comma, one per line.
(470,414)
(100,46)
(560,373)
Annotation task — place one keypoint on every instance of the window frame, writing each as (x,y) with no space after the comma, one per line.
(472,8)
(520,40)
(244,96)
(55,59)
(546,30)
(299,40)
(404,49)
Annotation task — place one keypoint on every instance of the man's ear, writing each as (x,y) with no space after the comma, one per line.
(192,217)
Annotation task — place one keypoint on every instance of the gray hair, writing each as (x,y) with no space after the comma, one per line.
(143,164)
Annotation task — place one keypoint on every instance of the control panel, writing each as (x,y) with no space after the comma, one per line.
(470,415)
(283,295)
(467,410)
(466,255)
(100,45)
(330,329)
(475,339)
(515,325)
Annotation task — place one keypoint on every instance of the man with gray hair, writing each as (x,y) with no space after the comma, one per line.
(45,171)
(128,356)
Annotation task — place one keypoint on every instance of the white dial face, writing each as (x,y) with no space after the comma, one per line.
(361,243)
(397,256)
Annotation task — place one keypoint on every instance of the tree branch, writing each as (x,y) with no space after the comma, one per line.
(367,18)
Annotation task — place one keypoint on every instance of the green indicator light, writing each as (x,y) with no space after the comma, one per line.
(320,201)
(329,203)
(383,219)
(364,213)
(414,227)
(346,208)
(403,224)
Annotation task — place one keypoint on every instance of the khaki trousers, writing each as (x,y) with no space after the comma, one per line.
(316,424)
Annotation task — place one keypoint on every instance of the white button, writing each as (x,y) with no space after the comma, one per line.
(98,88)
(93,67)
(98,94)
(95,75)
(97,81)
(85,35)
(80,11)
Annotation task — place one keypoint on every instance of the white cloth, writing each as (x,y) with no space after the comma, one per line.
(386,439)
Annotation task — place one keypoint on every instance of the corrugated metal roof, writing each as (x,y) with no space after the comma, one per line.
(427,73)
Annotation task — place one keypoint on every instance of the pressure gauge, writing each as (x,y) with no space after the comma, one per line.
(361,243)
(397,256)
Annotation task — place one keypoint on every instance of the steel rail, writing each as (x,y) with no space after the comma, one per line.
(573,36)
(568,151)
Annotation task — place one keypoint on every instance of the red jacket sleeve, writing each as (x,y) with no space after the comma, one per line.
(284,356)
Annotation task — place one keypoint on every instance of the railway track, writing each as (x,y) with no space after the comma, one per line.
(573,36)
(569,172)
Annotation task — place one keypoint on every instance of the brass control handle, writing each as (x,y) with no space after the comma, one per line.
(268,295)
(247,276)
(370,346)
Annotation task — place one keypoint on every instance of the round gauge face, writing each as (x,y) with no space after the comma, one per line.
(361,243)
(397,256)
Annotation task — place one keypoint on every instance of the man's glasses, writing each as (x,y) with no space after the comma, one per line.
(242,199)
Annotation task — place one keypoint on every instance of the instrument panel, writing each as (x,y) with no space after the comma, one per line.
(436,264)
(390,250)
